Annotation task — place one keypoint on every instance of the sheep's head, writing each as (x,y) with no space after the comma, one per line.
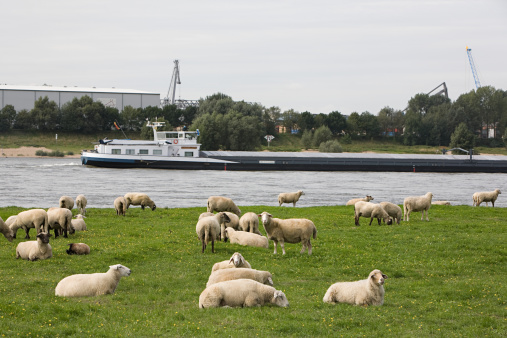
(153,207)
(79,216)
(498,191)
(377,277)
(44,237)
(280,299)
(265,217)
(122,270)
(236,259)
(224,218)
(269,281)
(369,198)
(8,233)
(300,192)
(389,221)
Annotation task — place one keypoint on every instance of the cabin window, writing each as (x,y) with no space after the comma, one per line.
(157,151)
(116,151)
(143,151)
(189,154)
(130,152)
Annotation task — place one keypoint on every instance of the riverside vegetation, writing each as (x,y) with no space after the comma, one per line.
(446,277)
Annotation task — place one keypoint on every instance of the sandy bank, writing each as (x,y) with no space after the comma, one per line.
(28,152)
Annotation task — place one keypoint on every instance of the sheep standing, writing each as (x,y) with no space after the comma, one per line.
(66,202)
(223,275)
(368,291)
(392,210)
(78,224)
(370,210)
(60,220)
(120,205)
(247,238)
(81,203)
(209,228)
(78,249)
(237,261)
(364,199)
(5,230)
(249,222)
(486,196)
(95,284)
(289,197)
(417,203)
(35,250)
(34,218)
(241,293)
(220,203)
(136,198)
(292,230)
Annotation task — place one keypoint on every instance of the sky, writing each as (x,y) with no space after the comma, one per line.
(318,56)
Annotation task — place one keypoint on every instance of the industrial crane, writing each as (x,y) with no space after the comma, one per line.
(171,93)
(474,71)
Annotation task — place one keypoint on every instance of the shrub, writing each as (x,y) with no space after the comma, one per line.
(41,153)
(322,134)
(306,139)
(331,146)
(346,139)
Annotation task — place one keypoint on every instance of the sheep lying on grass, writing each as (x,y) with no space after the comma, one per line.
(5,230)
(241,293)
(247,238)
(237,261)
(78,224)
(223,275)
(233,223)
(441,203)
(120,205)
(34,218)
(392,210)
(292,230)
(220,203)
(60,220)
(363,199)
(370,210)
(95,284)
(137,198)
(289,197)
(35,250)
(249,222)
(78,249)
(81,203)
(66,202)
(417,203)
(208,228)
(368,291)
(486,196)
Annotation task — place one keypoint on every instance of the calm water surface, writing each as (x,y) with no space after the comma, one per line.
(39,182)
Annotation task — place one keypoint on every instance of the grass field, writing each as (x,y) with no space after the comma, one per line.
(446,277)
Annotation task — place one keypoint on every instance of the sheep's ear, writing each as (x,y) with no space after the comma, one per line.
(230,260)
(115,267)
(384,276)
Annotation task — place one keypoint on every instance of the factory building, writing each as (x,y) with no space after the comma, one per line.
(24,97)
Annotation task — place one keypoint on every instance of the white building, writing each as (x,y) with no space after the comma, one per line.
(24,97)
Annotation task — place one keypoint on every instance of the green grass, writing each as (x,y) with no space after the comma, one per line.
(446,277)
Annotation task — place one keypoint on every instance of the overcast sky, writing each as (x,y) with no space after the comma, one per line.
(317,56)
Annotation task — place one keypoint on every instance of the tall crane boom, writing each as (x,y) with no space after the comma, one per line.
(474,71)
(171,93)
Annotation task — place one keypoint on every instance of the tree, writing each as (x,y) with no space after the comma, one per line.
(23,120)
(462,137)
(270,119)
(132,118)
(290,119)
(336,122)
(307,139)
(353,124)
(322,134)
(7,117)
(306,121)
(369,124)
(45,114)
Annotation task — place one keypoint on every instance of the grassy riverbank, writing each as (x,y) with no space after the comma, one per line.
(446,277)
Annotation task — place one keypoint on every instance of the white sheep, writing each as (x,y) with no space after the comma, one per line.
(368,291)
(392,210)
(223,275)
(249,222)
(95,284)
(241,293)
(486,196)
(78,224)
(120,205)
(247,238)
(237,261)
(136,198)
(208,228)
(220,203)
(370,210)
(6,230)
(364,199)
(66,202)
(289,197)
(292,230)
(34,218)
(206,214)
(81,203)
(233,223)
(35,250)
(78,249)
(60,220)
(440,202)
(417,203)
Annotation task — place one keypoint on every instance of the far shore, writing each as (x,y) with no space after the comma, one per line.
(29,152)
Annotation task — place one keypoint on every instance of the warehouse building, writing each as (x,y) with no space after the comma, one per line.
(24,97)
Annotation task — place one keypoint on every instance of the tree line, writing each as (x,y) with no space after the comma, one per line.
(478,117)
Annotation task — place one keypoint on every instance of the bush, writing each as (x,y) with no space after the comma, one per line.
(346,139)
(56,153)
(322,134)
(41,153)
(306,139)
(331,146)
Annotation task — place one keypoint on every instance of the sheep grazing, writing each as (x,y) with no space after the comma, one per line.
(241,293)
(60,220)
(247,238)
(249,222)
(81,202)
(34,218)
(486,196)
(417,203)
(292,230)
(441,203)
(66,202)
(364,199)
(136,198)
(220,203)
(35,250)
(223,275)
(289,197)
(6,230)
(95,284)
(120,205)
(237,261)
(370,210)
(78,249)
(392,210)
(78,224)
(208,228)
(368,291)
(233,223)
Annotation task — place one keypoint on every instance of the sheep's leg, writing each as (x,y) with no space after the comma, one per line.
(294,203)
(65,233)
(309,247)
(493,203)
(371,219)
(27,230)
(276,244)
(222,232)
(356,220)
(282,244)
(379,221)
(303,247)
(213,245)
(203,246)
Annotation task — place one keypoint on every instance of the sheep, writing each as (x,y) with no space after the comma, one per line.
(95,284)
(34,218)
(486,196)
(441,203)
(289,197)
(60,220)
(368,291)
(233,223)
(120,205)
(6,230)
(81,202)
(136,198)
(417,203)
(247,238)
(371,210)
(66,202)
(237,261)
(206,214)
(249,222)
(223,275)
(393,210)
(208,228)
(35,250)
(355,200)
(289,230)
(241,293)
(220,203)
(78,224)
(78,249)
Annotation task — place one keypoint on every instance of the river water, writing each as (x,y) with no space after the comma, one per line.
(39,182)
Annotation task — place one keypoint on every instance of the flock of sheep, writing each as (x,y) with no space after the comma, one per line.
(232,282)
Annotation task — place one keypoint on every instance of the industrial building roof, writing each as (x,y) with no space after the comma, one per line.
(74,89)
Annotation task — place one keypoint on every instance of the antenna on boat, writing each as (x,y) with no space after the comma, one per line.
(154,126)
